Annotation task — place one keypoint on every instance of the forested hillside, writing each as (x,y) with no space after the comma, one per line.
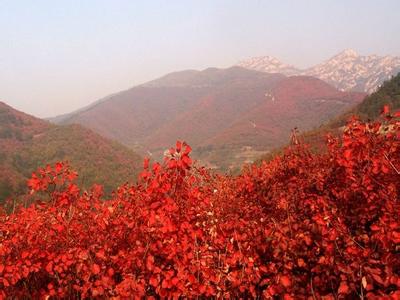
(27,143)
(387,94)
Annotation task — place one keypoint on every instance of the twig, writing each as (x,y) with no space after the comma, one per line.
(391,164)
(197,259)
(312,289)
(145,251)
(288,218)
(361,287)
(349,234)
(333,290)
(340,252)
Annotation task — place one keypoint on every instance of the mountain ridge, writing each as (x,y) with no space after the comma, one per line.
(347,70)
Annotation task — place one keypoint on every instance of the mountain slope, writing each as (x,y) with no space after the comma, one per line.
(297,101)
(347,71)
(154,115)
(369,109)
(388,94)
(222,113)
(27,143)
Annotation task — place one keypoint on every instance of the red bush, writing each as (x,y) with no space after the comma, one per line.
(301,226)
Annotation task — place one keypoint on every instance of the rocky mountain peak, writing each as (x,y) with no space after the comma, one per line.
(348,53)
(269,64)
(347,70)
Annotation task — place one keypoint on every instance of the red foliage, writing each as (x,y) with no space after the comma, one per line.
(301,226)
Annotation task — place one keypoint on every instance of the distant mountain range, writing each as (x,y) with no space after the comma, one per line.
(230,116)
(347,71)
(27,143)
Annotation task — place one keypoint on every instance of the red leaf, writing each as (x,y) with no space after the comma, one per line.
(178,146)
(375,227)
(377,278)
(110,272)
(146,163)
(58,167)
(202,289)
(95,269)
(100,254)
(34,183)
(347,154)
(385,110)
(150,262)
(6,283)
(153,281)
(49,267)
(175,281)
(24,254)
(188,149)
(301,263)
(308,240)
(286,282)
(343,288)
(187,161)
(59,228)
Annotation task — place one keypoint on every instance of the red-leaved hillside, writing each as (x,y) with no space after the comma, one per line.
(303,226)
(27,142)
(220,112)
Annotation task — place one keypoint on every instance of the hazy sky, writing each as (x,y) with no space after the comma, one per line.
(57,56)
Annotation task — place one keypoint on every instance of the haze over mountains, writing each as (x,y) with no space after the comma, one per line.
(230,116)
(347,71)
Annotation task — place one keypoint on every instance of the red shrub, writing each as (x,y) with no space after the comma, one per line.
(304,225)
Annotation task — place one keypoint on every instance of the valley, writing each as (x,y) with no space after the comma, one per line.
(222,110)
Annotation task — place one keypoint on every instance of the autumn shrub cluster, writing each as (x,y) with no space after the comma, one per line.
(302,226)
